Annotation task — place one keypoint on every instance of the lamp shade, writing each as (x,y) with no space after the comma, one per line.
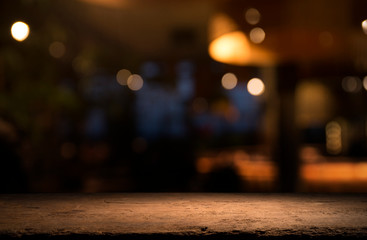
(228,44)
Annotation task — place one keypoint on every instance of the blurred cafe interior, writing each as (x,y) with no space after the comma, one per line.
(183,96)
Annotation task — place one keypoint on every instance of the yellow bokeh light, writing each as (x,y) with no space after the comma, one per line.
(57,49)
(252,16)
(232,48)
(364,26)
(351,84)
(365,82)
(255,87)
(122,76)
(314,103)
(230,45)
(333,137)
(229,81)
(135,82)
(19,31)
(257,35)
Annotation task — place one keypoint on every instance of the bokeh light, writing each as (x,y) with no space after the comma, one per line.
(229,81)
(231,48)
(83,65)
(257,35)
(204,165)
(351,84)
(20,31)
(314,103)
(57,49)
(135,82)
(252,16)
(333,138)
(364,26)
(256,86)
(122,76)
(365,83)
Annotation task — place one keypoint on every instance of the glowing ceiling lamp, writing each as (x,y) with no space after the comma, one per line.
(231,46)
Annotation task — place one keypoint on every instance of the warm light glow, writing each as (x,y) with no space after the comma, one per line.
(351,84)
(20,31)
(365,83)
(232,48)
(135,82)
(257,35)
(204,165)
(320,173)
(229,81)
(57,49)
(333,138)
(334,172)
(364,26)
(252,16)
(122,76)
(255,87)
(314,103)
(310,155)
(221,24)
(254,168)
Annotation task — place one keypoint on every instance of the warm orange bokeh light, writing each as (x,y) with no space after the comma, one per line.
(255,87)
(122,76)
(234,48)
(57,49)
(334,172)
(135,82)
(231,48)
(257,35)
(229,81)
(252,16)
